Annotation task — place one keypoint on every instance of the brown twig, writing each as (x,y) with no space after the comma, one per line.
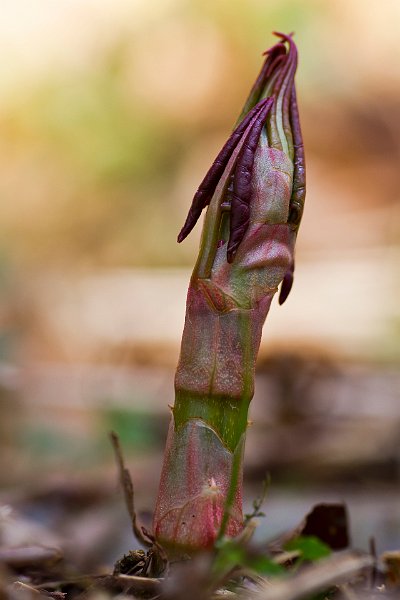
(24,590)
(125,583)
(374,570)
(129,496)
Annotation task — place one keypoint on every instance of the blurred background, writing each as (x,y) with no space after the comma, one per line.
(110,113)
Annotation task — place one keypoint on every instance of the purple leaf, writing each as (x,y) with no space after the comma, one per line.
(240,208)
(286,284)
(207,187)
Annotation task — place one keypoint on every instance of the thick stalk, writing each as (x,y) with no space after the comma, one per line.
(246,251)
(202,474)
(226,307)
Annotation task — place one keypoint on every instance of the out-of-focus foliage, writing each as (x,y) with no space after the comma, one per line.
(105,136)
(110,114)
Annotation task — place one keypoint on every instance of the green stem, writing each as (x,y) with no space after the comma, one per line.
(200,495)
(227,418)
(201,484)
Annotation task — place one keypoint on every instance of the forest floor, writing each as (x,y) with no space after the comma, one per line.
(53,542)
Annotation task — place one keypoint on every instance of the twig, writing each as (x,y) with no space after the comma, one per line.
(127,487)
(130,582)
(27,590)
(374,570)
(259,501)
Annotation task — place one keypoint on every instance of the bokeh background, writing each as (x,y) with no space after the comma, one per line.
(110,113)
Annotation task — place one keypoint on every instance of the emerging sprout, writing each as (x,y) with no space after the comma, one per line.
(254,192)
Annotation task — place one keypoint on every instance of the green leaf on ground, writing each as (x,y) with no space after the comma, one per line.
(232,554)
(310,547)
